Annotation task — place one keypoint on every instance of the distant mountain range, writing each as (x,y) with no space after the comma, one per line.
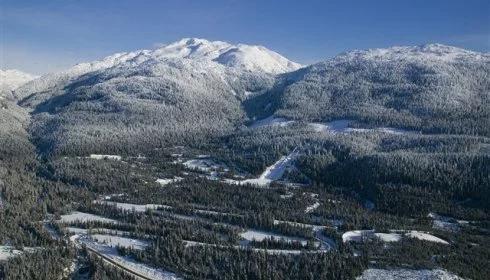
(196,90)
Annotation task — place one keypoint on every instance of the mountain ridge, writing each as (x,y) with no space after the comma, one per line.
(180,93)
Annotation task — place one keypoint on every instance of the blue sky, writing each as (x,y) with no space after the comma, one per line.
(50,35)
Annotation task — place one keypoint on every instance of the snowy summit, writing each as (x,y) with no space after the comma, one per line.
(246,57)
(11,80)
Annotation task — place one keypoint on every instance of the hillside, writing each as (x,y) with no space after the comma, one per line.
(12,79)
(432,88)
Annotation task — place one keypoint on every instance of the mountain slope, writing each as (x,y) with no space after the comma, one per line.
(241,58)
(432,87)
(10,80)
(184,92)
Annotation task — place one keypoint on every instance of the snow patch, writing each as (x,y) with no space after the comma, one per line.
(312,207)
(402,274)
(115,241)
(257,235)
(110,157)
(342,126)
(7,252)
(393,236)
(84,217)
(164,182)
(126,262)
(271,173)
(132,207)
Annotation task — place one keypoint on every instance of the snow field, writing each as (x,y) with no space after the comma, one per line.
(84,217)
(393,236)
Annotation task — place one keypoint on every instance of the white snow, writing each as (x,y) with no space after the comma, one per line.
(429,52)
(167,181)
(111,157)
(272,121)
(287,195)
(356,235)
(217,56)
(403,274)
(114,241)
(107,231)
(258,235)
(446,223)
(127,262)
(296,224)
(251,58)
(425,236)
(84,217)
(393,236)
(256,58)
(11,79)
(312,207)
(7,252)
(342,126)
(266,251)
(271,173)
(76,230)
(132,207)
(204,165)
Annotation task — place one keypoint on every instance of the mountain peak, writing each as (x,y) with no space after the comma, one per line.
(249,57)
(11,79)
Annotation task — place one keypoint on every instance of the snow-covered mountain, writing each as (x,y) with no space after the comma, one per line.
(195,90)
(431,87)
(183,90)
(429,53)
(217,55)
(11,79)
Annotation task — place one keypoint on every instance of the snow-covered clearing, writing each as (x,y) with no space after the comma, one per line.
(393,236)
(403,274)
(111,157)
(425,236)
(272,121)
(107,231)
(446,223)
(115,241)
(76,230)
(132,207)
(126,262)
(257,235)
(206,165)
(267,251)
(84,217)
(342,126)
(336,126)
(296,224)
(271,173)
(7,252)
(203,164)
(164,182)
